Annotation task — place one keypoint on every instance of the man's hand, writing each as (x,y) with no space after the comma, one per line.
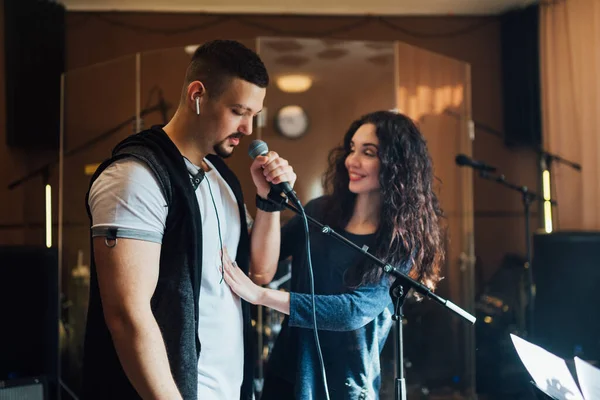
(265,238)
(271,169)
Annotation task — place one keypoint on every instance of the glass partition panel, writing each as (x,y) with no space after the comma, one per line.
(162,76)
(99,105)
(318,88)
(435,92)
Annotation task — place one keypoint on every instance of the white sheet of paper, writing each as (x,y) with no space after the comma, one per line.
(589,379)
(548,371)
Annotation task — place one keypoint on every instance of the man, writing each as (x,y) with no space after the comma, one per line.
(162,323)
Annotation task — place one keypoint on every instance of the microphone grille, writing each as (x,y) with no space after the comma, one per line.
(256,148)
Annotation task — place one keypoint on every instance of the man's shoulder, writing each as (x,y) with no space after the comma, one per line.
(127,178)
(128,168)
(150,140)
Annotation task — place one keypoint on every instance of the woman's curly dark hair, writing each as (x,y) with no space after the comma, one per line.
(409,228)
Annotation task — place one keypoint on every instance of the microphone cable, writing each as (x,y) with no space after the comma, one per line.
(312,293)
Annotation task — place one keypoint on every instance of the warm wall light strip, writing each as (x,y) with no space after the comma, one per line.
(547,203)
(546,184)
(48,216)
(548,216)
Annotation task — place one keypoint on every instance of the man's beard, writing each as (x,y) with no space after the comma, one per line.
(222,149)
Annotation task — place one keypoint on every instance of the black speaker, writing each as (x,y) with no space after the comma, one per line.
(34,46)
(521,77)
(499,310)
(29,313)
(566,269)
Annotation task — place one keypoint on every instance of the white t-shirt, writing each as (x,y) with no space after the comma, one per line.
(127,196)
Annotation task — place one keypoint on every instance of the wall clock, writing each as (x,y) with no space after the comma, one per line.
(291,121)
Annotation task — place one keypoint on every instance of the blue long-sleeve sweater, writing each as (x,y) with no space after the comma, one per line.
(353,324)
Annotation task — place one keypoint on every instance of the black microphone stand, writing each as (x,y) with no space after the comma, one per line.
(527,197)
(549,157)
(398,294)
(398,291)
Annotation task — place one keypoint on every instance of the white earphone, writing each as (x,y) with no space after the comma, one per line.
(198,105)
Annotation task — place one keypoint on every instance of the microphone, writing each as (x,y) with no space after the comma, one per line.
(260,148)
(163,107)
(464,160)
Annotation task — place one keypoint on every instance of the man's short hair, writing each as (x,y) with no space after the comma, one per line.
(217,62)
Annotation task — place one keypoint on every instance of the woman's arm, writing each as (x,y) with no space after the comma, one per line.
(339,312)
(244,287)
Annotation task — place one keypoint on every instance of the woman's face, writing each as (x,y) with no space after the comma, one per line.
(363,161)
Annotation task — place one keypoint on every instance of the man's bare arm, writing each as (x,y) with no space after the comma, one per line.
(264,251)
(127,277)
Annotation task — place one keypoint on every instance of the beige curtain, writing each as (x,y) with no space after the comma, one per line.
(570,68)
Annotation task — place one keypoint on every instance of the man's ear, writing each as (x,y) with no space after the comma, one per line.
(196,94)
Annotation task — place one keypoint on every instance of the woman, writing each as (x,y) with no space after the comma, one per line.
(381,195)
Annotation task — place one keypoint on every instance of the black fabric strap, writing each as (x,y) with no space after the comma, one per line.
(198,178)
(274,202)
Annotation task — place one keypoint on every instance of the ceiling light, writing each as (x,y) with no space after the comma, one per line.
(294,83)
(191,49)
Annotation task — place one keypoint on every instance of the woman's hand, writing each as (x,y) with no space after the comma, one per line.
(250,291)
(239,282)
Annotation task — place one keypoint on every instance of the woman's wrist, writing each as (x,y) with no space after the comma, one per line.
(276,299)
(262,297)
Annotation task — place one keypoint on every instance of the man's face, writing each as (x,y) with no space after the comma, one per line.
(229,117)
